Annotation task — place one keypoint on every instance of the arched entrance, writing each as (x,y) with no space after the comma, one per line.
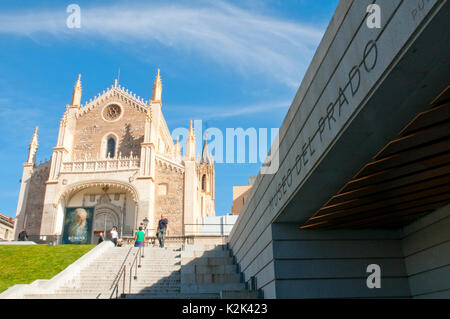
(113,203)
(106,215)
(103,222)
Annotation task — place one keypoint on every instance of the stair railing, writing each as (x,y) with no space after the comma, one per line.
(137,263)
(120,275)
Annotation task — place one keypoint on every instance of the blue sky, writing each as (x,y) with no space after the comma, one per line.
(229,63)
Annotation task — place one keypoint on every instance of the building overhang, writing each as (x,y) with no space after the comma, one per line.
(351,103)
(408,178)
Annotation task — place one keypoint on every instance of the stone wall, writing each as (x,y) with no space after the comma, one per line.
(317,153)
(169,189)
(35,199)
(426,246)
(91,128)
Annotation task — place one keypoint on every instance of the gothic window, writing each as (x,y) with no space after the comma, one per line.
(204,182)
(111,148)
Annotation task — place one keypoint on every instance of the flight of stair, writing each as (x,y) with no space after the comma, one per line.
(93,281)
(196,271)
(158,276)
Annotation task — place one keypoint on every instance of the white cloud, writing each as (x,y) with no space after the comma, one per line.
(221,112)
(239,39)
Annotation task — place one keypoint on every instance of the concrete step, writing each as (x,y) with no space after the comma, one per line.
(79,291)
(210,269)
(208,253)
(159,266)
(161,274)
(239,294)
(155,283)
(155,291)
(161,260)
(158,275)
(207,261)
(160,288)
(146,281)
(155,287)
(204,247)
(211,288)
(210,278)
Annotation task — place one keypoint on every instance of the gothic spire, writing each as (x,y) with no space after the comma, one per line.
(190,144)
(76,96)
(32,149)
(157,88)
(205,155)
(191,131)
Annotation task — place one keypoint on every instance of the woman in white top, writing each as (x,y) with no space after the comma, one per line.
(114,235)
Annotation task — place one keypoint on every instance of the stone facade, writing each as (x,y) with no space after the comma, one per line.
(90,134)
(115,156)
(169,196)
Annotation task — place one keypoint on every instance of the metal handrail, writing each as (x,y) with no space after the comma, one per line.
(116,286)
(137,262)
(120,269)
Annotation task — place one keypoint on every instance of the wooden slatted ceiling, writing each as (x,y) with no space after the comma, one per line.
(407,179)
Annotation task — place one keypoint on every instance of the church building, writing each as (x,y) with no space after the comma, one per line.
(114,164)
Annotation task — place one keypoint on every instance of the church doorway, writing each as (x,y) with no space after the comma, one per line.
(104,220)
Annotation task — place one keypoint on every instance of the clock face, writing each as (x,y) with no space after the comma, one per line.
(112,112)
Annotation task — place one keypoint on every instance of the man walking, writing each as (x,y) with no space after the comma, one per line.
(162,229)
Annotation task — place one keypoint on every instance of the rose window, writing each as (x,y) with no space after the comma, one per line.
(112,112)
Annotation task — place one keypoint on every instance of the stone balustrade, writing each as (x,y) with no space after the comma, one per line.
(103,165)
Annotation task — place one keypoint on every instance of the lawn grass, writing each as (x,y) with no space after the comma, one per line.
(24,264)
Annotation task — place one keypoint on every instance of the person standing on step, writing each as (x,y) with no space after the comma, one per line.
(139,238)
(100,238)
(114,235)
(163,228)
